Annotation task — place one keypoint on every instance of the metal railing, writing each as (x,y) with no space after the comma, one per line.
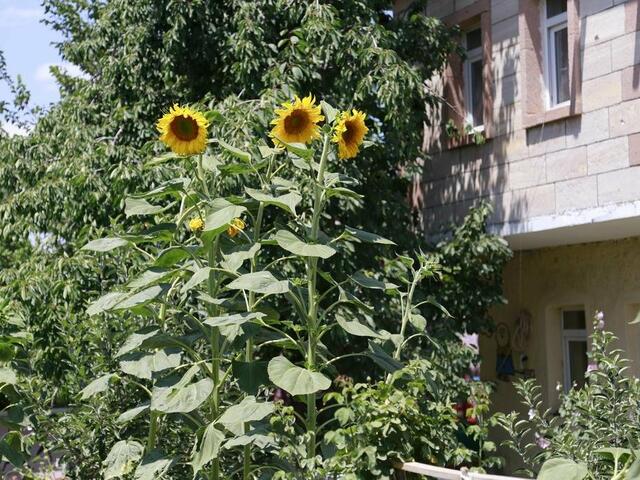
(440,473)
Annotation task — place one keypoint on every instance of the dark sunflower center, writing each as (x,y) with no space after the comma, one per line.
(185,128)
(296,122)
(349,135)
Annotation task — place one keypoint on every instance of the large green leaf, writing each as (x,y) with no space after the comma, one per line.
(356,328)
(184,399)
(634,470)
(171,186)
(199,276)
(293,244)
(299,149)
(233,319)
(132,413)
(141,298)
(153,466)
(259,282)
(139,206)
(287,202)
(208,449)
(105,302)
(382,358)
(173,255)
(248,410)
(366,236)
(562,468)
(136,339)
(234,259)
(144,365)
(296,380)
(99,385)
(105,244)
(369,282)
(122,458)
(236,152)
(11,447)
(181,396)
(149,277)
(222,212)
(251,375)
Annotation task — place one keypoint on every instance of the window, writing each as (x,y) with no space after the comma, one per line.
(556,38)
(574,347)
(473,82)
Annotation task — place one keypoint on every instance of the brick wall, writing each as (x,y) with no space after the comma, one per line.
(574,164)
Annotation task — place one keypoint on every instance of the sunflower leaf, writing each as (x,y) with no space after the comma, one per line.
(236,152)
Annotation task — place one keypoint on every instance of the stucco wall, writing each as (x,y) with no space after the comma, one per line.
(597,276)
(603,276)
(577,164)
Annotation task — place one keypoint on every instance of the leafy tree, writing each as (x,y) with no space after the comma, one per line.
(66,181)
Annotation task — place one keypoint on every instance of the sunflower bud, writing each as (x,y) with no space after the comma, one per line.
(196,225)
(235,227)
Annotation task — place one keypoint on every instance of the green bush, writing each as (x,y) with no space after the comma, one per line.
(596,433)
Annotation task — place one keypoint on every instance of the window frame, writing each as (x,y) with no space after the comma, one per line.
(549,27)
(472,56)
(568,336)
(533,61)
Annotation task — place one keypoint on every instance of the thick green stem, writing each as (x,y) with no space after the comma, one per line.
(406,315)
(153,431)
(214,473)
(312,317)
(154,417)
(248,354)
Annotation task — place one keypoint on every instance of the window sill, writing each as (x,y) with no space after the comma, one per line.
(557,113)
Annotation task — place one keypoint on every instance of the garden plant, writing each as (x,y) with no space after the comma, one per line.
(230,301)
(81,171)
(595,432)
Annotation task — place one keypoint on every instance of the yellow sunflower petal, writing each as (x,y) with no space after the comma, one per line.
(183,130)
(235,227)
(297,121)
(349,133)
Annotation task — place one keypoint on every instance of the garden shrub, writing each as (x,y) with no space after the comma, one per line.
(596,432)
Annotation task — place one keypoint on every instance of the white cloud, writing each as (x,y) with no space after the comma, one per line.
(19,16)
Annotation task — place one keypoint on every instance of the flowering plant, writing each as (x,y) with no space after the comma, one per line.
(596,432)
(235,298)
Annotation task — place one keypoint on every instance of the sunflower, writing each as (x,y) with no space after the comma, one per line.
(183,130)
(297,122)
(235,227)
(196,224)
(349,133)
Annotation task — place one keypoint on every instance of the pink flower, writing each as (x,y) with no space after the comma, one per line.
(600,319)
(542,442)
(592,367)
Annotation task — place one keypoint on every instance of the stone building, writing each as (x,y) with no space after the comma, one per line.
(554,87)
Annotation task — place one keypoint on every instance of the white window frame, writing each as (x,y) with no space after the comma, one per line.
(549,27)
(471,57)
(570,335)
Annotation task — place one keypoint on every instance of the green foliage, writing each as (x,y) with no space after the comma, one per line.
(596,432)
(89,170)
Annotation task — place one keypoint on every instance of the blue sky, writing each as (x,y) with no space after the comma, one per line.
(26,43)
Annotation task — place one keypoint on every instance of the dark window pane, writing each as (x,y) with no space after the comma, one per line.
(574,320)
(474,39)
(578,361)
(556,7)
(562,65)
(476,93)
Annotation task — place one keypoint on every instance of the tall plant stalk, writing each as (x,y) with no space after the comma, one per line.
(249,347)
(312,315)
